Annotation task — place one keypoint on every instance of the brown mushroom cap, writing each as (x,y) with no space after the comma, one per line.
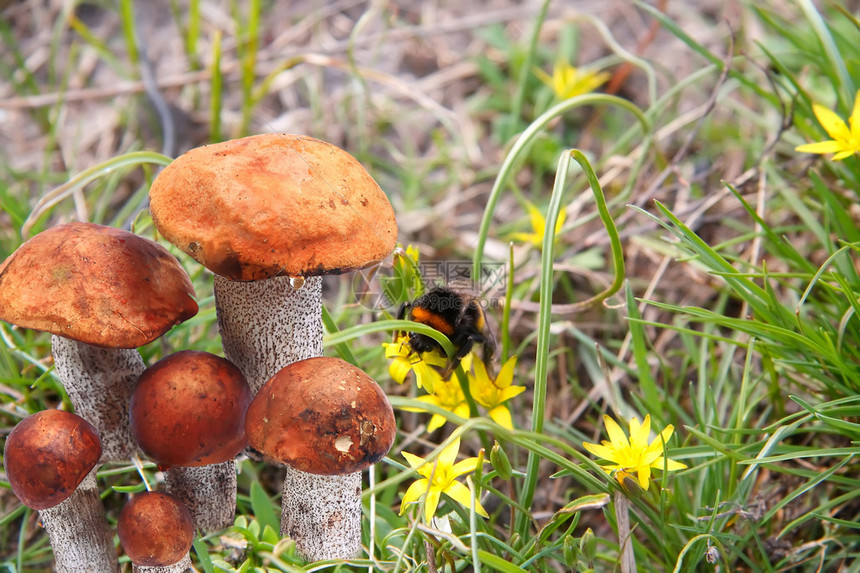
(189,410)
(155,529)
(322,416)
(95,284)
(273,204)
(48,454)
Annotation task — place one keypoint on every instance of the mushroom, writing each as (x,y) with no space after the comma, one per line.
(156,532)
(101,292)
(50,460)
(188,415)
(266,214)
(327,420)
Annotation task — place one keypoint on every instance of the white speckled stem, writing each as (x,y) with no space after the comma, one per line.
(266,325)
(100,382)
(209,492)
(79,532)
(322,514)
(180,566)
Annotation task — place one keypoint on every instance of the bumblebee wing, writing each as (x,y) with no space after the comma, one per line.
(487,339)
(489,346)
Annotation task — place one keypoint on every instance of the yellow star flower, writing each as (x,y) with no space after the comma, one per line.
(538,222)
(568,81)
(634,455)
(845,140)
(493,393)
(438,477)
(446,394)
(403,359)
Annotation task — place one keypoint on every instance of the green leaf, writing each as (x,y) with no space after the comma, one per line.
(596,501)
(498,563)
(203,555)
(640,349)
(843,426)
(270,535)
(129,488)
(263,507)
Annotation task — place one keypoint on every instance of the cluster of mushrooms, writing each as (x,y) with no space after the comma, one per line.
(268,215)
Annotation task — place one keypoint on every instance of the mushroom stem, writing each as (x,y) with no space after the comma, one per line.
(180,566)
(322,514)
(79,532)
(209,492)
(100,382)
(267,324)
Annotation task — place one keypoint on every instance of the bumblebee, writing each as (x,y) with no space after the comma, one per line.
(457,316)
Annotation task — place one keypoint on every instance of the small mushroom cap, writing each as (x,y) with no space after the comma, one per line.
(155,529)
(189,410)
(321,416)
(48,454)
(95,284)
(273,204)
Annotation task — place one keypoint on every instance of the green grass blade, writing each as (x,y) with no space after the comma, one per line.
(498,563)
(640,351)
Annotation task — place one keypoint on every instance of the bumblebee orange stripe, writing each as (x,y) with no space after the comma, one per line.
(432,320)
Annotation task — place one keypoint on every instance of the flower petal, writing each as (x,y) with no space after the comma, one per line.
(532,238)
(463,467)
(601,451)
(415,462)
(399,369)
(435,358)
(480,378)
(425,376)
(431,502)
(639,432)
(832,123)
(506,374)
(854,120)
(510,392)
(650,456)
(462,410)
(562,215)
(671,465)
(667,432)
(427,398)
(644,475)
(821,147)
(436,422)
(502,416)
(448,456)
(544,77)
(536,218)
(400,347)
(461,494)
(616,434)
(592,81)
(847,153)
(466,363)
(414,493)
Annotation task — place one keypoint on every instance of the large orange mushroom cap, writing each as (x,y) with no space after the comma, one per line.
(95,284)
(48,454)
(321,416)
(273,204)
